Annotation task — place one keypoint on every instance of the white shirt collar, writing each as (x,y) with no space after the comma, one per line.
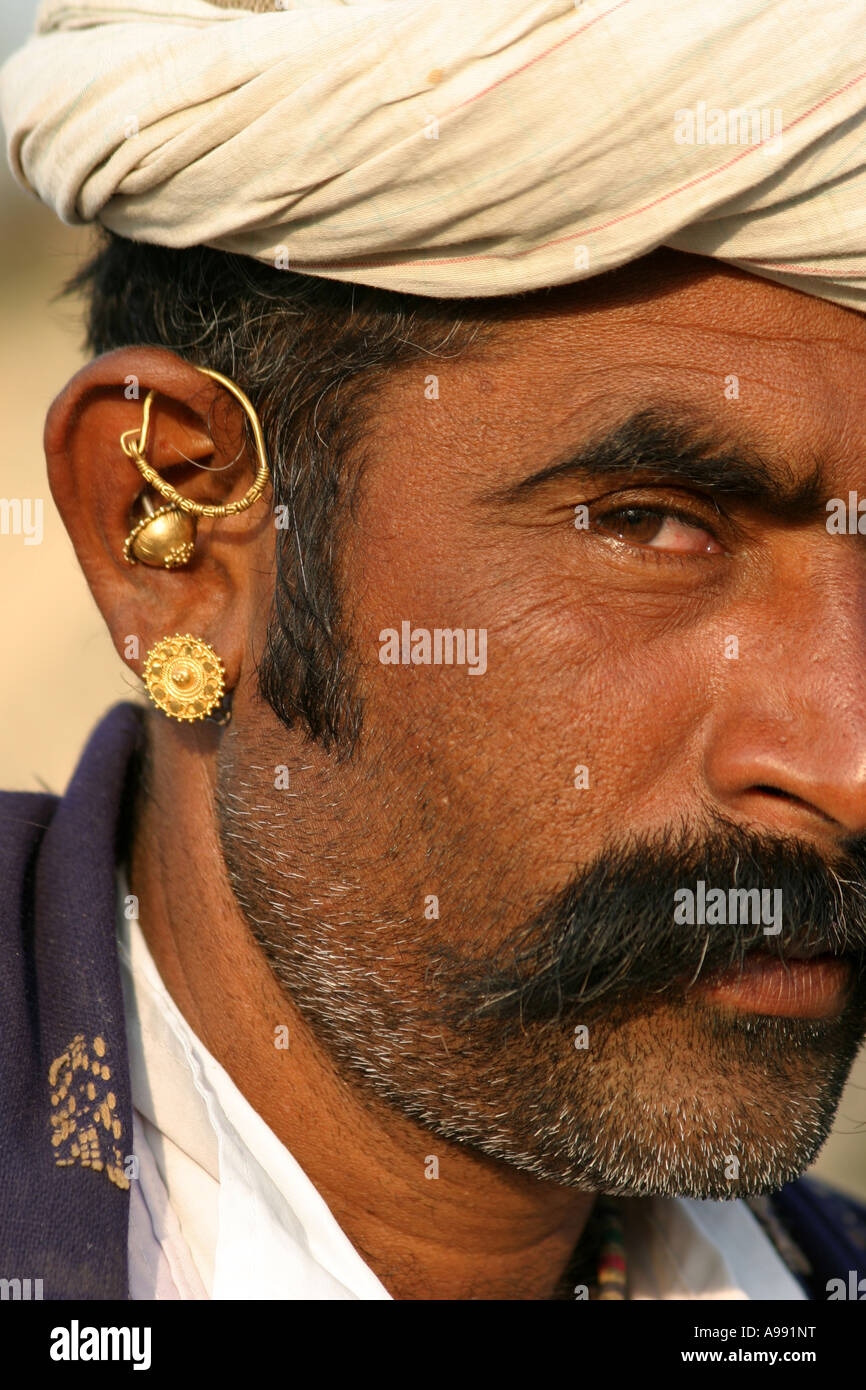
(274,1237)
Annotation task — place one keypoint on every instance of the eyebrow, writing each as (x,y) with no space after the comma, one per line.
(684,449)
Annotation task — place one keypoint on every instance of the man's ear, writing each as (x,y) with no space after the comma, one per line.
(197,441)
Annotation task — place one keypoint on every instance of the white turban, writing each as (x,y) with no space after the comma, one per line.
(457,147)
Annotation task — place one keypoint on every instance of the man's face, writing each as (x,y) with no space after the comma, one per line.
(483,913)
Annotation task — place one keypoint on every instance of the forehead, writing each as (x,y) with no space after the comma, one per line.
(669,330)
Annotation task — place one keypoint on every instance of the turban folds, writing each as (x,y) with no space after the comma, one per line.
(457,148)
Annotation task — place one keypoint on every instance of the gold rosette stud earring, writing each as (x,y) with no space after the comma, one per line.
(184,677)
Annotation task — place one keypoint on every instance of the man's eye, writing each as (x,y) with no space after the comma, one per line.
(660,530)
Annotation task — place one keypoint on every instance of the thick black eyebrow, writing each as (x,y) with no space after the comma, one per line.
(687,450)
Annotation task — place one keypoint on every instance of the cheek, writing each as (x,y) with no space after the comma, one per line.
(584,725)
(586,722)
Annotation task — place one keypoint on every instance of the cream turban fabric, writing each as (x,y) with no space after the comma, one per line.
(457,147)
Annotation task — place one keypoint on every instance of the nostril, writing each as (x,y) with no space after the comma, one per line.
(781,795)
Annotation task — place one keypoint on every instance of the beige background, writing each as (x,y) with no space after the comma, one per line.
(58,669)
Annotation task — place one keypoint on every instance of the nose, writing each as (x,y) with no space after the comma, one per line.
(787,740)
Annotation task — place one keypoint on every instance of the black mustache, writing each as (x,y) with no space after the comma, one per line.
(610,934)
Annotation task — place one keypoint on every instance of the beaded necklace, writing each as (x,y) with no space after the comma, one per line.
(597,1268)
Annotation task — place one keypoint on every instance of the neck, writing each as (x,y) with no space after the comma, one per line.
(478,1230)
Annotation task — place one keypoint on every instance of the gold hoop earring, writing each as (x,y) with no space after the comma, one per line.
(165,537)
(185,678)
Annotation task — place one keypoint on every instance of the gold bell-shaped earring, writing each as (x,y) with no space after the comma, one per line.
(163,538)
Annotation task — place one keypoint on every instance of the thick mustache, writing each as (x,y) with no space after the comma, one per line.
(611,932)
